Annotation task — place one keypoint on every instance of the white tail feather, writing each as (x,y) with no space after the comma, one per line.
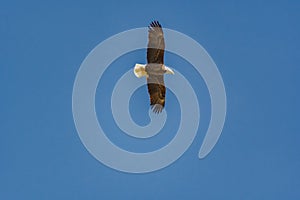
(139,70)
(169,70)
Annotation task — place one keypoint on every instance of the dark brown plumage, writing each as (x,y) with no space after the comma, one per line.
(155,67)
(156,43)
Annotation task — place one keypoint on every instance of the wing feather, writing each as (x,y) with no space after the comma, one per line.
(156,43)
(157,92)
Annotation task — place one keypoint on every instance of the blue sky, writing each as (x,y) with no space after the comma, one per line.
(256,48)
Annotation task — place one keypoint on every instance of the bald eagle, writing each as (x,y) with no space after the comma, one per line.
(155,69)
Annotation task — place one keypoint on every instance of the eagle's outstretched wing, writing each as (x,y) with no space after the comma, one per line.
(157,92)
(156,43)
(155,59)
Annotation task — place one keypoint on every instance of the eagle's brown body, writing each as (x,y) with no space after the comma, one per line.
(155,67)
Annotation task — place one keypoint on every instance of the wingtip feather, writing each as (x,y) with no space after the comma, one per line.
(157,108)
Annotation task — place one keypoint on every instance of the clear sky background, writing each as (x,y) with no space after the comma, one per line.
(256,48)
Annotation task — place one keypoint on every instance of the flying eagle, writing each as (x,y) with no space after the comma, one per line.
(155,69)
